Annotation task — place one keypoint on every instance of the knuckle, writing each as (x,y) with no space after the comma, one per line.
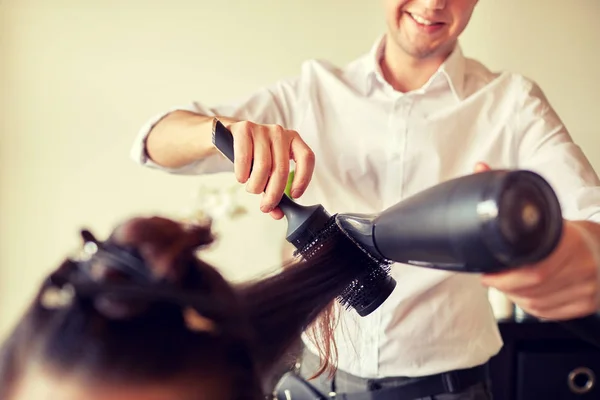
(278,134)
(262,166)
(536,276)
(268,199)
(281,168)
(529,304)
(261,129)
(253,188)
(293,134)
(240,177)
(534,305)
(242,127)
(302,182)
(309,155)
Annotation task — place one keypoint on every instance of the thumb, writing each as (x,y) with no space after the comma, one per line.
(481,167)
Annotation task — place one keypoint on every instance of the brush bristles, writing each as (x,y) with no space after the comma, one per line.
(371,272)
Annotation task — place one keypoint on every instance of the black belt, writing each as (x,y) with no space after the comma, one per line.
(388,388)
(449,382)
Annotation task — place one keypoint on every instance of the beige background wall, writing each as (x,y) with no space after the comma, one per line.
(78,78)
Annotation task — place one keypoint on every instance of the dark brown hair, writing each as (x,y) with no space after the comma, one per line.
(142,307)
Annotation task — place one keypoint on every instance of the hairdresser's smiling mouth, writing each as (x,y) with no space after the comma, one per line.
(424,24)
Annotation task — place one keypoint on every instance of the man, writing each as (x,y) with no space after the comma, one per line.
(409,114)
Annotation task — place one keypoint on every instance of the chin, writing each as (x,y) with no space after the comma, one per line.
(423,49)
(415,50)
(420,53)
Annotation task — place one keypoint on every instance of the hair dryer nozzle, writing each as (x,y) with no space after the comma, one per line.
(527,225)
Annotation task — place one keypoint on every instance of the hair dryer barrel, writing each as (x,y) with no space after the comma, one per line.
(482,222)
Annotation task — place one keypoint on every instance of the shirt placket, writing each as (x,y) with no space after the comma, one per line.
(394,182)
(398,132)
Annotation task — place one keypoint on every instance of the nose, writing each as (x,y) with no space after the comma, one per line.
(434,4)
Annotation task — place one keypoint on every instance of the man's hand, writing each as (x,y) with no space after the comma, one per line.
(262,162)
(565,285)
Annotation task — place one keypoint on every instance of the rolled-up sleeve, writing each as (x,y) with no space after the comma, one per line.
(547,148)
(278,104)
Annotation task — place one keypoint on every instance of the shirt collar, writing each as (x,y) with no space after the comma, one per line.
(452,71)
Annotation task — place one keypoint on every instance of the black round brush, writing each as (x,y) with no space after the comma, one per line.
(312,231)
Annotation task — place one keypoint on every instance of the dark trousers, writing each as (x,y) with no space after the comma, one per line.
(347,383)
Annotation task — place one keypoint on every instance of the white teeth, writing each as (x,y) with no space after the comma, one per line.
(421,20)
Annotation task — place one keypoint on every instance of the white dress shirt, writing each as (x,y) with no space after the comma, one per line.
(374,147)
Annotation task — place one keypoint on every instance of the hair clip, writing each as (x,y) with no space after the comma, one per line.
(89,248)
(54,297)
(110,255)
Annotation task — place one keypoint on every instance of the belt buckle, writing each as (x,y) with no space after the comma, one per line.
(451,381)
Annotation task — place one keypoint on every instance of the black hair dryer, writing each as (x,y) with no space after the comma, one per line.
(483,222)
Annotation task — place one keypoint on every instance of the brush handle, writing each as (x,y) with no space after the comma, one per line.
(304,222)
(222,138)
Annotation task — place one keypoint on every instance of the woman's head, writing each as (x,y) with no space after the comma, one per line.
(139,315)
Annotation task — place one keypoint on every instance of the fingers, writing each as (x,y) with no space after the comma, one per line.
(276,213)
(550,273)
(481,167)
(568,302)
(262,162)
(528,282)
(522,279)
(243,149)
(533,280)
(280,170)
(305,165)
(565,285)
(568,311)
